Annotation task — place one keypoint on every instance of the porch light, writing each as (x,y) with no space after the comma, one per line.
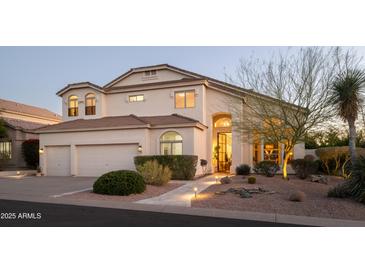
(41,150)
(139,148)
(195,190)
(18,173)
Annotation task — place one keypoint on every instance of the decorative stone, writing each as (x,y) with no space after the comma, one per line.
(297,196)
(245,194)
(226,180)
(319,179)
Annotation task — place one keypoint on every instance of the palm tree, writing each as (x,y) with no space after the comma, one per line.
(347,99)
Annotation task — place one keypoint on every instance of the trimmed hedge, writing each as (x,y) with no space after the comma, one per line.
(121,182)
(243,169)
(183,167)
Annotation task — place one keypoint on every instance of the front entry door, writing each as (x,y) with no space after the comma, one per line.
(222,153)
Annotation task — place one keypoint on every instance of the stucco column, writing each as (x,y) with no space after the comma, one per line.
(43,159)
(262,149)
(73,160)
(237,148)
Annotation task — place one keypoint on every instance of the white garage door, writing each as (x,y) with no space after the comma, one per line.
(95,160)
(58,161)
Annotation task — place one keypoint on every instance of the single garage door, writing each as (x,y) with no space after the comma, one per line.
(58,160)
(95,160)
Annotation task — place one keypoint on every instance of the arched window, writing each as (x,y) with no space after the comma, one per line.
(73,106)
(223,122)
(90,104)
(171,143)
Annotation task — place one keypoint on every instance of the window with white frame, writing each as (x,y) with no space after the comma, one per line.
(171,143)
(136,98)
(5,150)
(150,73)
(185,99)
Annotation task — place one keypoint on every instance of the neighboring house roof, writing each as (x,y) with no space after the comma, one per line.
(14,107)
(80,85)
(122,122)
(21,124)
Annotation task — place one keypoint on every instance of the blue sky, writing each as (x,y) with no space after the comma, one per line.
(33,75)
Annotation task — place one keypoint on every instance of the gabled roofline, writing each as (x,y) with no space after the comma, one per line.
(80,85)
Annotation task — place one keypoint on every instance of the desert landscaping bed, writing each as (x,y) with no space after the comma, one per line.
(151,191)
(275,199)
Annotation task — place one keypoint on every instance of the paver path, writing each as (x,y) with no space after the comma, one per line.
(181,196)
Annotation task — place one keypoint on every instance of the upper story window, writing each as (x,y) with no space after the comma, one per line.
(5,150)
(136,98)
(73,106)
(150,73)
(171,143)
(90,104)
(185,99)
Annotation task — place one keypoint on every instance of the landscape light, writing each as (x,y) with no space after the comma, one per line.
(216,179)
(195,190)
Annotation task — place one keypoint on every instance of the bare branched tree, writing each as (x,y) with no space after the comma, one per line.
(294,88)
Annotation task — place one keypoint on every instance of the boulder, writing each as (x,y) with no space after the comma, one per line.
(297,196)
(226,180)
(319,179)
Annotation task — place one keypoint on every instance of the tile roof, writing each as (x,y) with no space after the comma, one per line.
(120,121)
(7,105)
(21,124)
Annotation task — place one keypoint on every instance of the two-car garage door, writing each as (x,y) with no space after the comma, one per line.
(90,160)
(95,160)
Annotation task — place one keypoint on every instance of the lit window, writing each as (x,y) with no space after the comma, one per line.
(223,122)
(73,106)
(185,99)
(171,143)
(272,152)
(90,104)
(5,150)
(136,98)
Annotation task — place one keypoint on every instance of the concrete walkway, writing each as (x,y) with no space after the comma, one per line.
(181,196)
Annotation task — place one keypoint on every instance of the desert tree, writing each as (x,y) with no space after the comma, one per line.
(294,89)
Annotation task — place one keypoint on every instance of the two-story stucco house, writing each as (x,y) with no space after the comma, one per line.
(20,122)
(147,111)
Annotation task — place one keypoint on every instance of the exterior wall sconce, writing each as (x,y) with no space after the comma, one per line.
(41,150)
(139,148)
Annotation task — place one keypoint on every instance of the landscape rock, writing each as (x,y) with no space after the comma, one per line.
(297,196)
(319,179)
(226,180)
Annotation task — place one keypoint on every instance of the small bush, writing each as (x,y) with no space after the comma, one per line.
(30,150)
(243,170)
(303,168)
(340,191)
(251,180)
(225,180)
(269,168)
(183,167)
(121,182)
(154,174)
(297,196)
(309,158)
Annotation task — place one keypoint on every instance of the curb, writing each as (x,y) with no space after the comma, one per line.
(207,212)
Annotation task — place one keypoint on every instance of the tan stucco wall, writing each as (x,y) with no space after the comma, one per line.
(138,78)
(81,93)
(157,102)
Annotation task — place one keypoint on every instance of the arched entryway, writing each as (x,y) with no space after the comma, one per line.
(222,142)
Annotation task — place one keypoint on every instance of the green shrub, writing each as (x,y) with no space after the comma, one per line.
(30,150)
(251,180)
(269,168)
(354,187)
(243,170)
(303,168)
(154,174)
(335,160)
(121,182)
(183,167)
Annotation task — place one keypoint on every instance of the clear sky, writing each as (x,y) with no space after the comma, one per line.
(33,75)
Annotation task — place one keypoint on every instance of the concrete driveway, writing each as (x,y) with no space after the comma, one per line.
(40,188)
